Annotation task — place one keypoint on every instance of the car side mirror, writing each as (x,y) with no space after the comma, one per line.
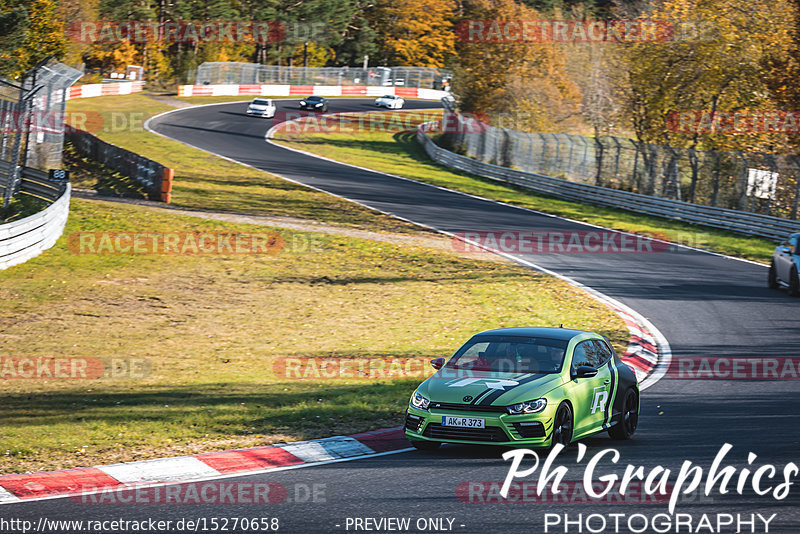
(584,371)
(437,363)
(785,250)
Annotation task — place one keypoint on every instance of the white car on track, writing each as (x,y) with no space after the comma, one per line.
(261,107)
(390,102)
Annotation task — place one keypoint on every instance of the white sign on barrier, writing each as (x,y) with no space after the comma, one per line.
(761,184)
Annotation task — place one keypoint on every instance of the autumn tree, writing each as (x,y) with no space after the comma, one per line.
(32,37)
(525,82)
(416,32)
(72,12)
(714,62)
(781,72)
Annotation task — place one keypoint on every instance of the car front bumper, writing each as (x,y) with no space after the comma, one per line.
(524,430)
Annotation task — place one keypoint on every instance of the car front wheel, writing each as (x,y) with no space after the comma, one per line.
(628,419)
(794,283)
(772,277)
(562,425)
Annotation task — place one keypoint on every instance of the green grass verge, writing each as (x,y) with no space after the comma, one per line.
(204,181)
(400,154)
(212,326)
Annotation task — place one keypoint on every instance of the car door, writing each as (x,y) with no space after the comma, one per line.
(783,258)
(590,396)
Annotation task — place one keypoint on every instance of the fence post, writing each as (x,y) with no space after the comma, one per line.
(599,159)
(636,187)
(556,162)
(773,168)
(796,187)
(743,180)
(571,151)
(670,177)
(529,153)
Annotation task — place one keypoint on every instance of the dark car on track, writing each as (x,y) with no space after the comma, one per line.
(785,268)
(314,103)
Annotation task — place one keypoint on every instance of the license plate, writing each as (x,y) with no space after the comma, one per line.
(468,422)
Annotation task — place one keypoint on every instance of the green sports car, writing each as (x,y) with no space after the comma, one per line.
(529,387)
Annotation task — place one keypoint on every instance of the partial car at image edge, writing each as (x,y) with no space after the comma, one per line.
(784,270)
(525,387)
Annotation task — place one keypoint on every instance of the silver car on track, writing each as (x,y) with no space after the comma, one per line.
(785,268)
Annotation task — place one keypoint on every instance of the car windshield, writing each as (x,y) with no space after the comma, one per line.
(510,354)
(260,102)
(314,99)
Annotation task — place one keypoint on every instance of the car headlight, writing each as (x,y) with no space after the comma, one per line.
(420,402)
(318,105)
(533,406)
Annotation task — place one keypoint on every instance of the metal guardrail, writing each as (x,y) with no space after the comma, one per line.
(726,219)
(153,176)
(755,182)
(22,240)
(35,183)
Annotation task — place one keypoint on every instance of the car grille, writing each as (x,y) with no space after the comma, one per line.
(467,407)
(413,422)
(491,433)
(530,430)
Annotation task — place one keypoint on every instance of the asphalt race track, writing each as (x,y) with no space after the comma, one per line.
(704,304)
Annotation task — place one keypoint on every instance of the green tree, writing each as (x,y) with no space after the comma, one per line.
(31,38)
(13,27)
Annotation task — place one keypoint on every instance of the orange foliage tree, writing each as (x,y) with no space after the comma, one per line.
(417,32)
(524,82)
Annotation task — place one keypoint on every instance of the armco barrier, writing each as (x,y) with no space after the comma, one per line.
(22,240)
(726,219)
(104,89)
(309,90)
(153,176)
